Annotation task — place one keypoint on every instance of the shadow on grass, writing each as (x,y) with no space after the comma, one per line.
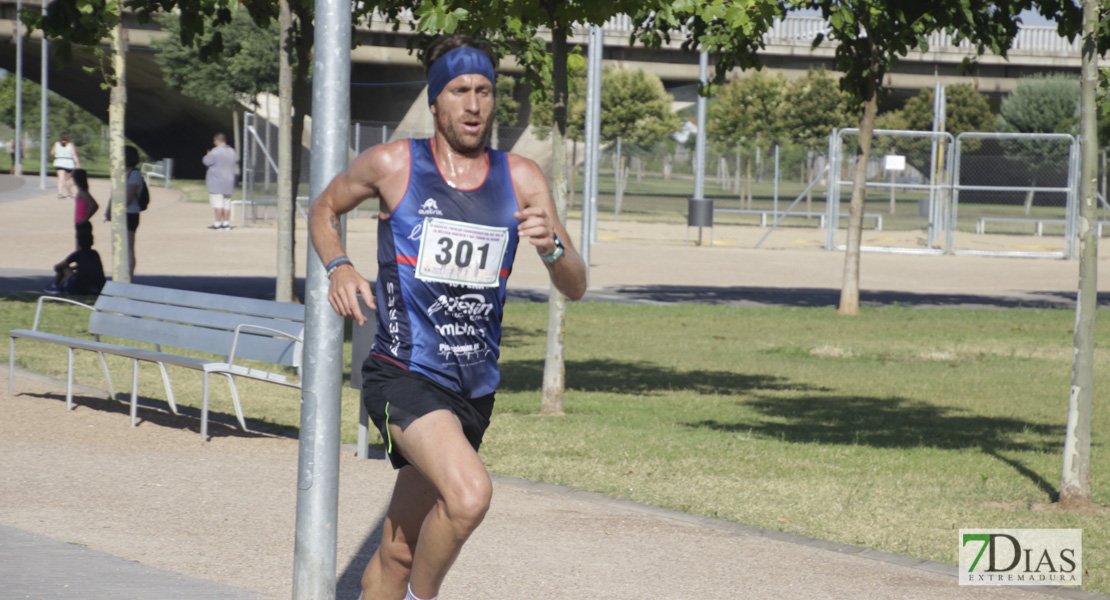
(643,378)
(895,422)
(157,413)
(890,422)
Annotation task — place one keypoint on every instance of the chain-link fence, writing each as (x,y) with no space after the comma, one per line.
(907,183)
(1014,194)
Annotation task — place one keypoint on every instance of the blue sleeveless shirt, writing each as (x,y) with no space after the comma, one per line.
(448,332)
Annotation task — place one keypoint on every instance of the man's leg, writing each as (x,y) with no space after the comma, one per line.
(131,246)
(387,575)
(438,449)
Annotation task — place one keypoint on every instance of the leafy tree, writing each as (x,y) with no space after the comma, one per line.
(635,108)
(64,117)
(543,111)
(813,106)
(746,110)
(965,110)
(507,108)
(1040,105)
(246,66)
(636,111)
(871,36)
(746,114)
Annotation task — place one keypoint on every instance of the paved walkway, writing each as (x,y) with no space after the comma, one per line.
(33,566)
(579,544)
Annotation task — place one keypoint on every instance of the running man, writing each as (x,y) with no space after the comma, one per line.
(452,212)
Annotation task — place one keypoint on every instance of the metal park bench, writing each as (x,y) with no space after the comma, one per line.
(981,224)
(156,170)
(766,215)
(233,329)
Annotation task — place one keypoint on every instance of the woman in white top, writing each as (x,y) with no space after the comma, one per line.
(65,161)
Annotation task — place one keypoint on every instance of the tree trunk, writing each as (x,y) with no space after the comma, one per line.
(285,290)
(554,365)
(618,180)
(849,292)
(1029,196)
(736,181)
(302,94)
(810,168)
(667,166)
(748,181)
(1075,483)
(117,109)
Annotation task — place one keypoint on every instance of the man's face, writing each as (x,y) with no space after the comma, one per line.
(464,112)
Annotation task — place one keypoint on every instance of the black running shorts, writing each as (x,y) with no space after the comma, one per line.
(394,395)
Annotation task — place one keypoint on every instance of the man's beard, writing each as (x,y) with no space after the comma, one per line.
(461,142)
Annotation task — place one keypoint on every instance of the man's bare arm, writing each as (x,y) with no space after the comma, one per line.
(362,180)
(539,222)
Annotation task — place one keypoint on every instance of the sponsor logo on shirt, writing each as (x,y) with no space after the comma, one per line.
(466,306)
(430,208)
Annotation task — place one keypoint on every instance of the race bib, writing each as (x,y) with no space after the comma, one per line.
(461,253)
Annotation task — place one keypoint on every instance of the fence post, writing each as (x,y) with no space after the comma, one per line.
(775,197)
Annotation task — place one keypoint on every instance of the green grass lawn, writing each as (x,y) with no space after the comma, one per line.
(892,430)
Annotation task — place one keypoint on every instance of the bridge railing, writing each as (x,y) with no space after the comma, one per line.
(802,28)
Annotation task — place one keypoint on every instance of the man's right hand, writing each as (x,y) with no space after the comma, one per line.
(346,284)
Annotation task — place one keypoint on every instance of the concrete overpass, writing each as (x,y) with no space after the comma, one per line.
(387,80)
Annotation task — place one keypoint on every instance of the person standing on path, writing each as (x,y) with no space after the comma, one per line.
(452,214)
(65,161)
(135,185)
(222,163)
(85,205)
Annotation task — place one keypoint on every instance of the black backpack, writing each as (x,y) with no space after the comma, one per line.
(143,195)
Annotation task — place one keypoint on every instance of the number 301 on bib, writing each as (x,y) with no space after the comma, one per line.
(461,253)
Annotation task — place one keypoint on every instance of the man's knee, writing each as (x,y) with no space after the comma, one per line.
(466,505)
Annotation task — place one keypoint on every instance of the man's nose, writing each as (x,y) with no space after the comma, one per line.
(471,103)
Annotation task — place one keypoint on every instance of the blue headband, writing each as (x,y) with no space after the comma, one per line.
(460,61)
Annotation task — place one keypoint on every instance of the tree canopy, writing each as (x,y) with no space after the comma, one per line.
(64,116)
(506,108)
(635,108)
(747,111)
(1041,105)
(813,106)
(245,66)
(965,110)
